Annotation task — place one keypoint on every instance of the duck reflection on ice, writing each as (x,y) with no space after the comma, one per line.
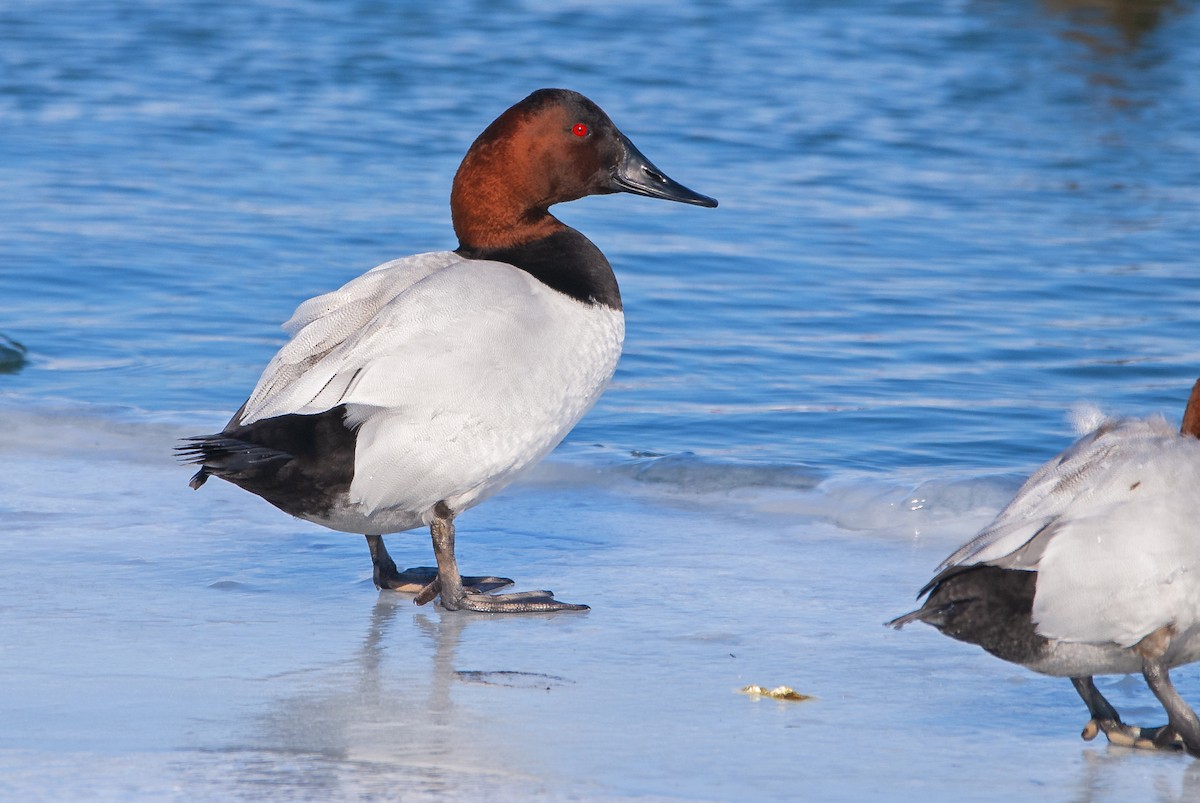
(384,720)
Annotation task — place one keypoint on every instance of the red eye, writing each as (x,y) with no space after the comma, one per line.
(579,130)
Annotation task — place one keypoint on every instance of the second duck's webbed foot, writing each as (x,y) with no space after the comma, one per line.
(1162,737)
(1106,720)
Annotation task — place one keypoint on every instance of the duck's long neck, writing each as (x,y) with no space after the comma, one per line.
(496,202)
(499,205)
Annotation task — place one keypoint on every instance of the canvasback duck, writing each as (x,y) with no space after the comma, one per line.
(1093,568)
(429,383)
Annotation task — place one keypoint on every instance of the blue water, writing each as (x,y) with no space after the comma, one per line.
(942,225)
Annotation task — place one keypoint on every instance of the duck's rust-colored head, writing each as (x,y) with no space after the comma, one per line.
(553,146)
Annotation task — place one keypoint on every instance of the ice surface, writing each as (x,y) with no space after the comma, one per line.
(160,643)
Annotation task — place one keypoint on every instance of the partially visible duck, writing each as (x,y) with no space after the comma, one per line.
(1092,569)
(429,383)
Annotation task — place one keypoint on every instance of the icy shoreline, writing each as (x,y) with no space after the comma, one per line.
(160,643)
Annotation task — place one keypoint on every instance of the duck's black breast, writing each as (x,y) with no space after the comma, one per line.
(565,261)
(301,464)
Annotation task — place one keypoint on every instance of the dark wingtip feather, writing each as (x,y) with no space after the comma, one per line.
(927,613)
(223,456)
(198,479)
(192,450)
(906,619)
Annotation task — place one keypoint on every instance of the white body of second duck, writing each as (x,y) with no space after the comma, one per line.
(1093,568)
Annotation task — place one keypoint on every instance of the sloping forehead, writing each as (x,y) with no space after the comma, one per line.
(562,103)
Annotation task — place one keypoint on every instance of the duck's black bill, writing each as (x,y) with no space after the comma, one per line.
(637,174)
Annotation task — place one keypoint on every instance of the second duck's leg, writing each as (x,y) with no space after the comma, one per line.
(449,584)
(1181,716)
(387,576)
(1100,708)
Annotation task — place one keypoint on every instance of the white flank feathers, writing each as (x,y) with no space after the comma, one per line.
(458,374)
(1112,526)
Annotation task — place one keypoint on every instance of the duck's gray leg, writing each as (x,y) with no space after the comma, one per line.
(1097,706)
(412,581)
(449,585)
(1183,723)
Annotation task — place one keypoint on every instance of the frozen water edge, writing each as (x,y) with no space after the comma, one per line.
(161,644)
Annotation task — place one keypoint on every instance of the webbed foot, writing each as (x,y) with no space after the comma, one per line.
(1106,720)
(456,592)
(1162,737)
(519,602)
(417,579)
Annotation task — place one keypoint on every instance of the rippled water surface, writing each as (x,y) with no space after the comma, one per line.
(942,225)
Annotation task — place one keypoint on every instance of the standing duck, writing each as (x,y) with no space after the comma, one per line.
(1092,569)
(431,382)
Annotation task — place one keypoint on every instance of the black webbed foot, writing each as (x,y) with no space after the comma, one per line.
(519,602)
(457,593)
(416,579)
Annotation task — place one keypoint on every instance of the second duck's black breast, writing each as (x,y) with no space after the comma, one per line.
(565,261)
